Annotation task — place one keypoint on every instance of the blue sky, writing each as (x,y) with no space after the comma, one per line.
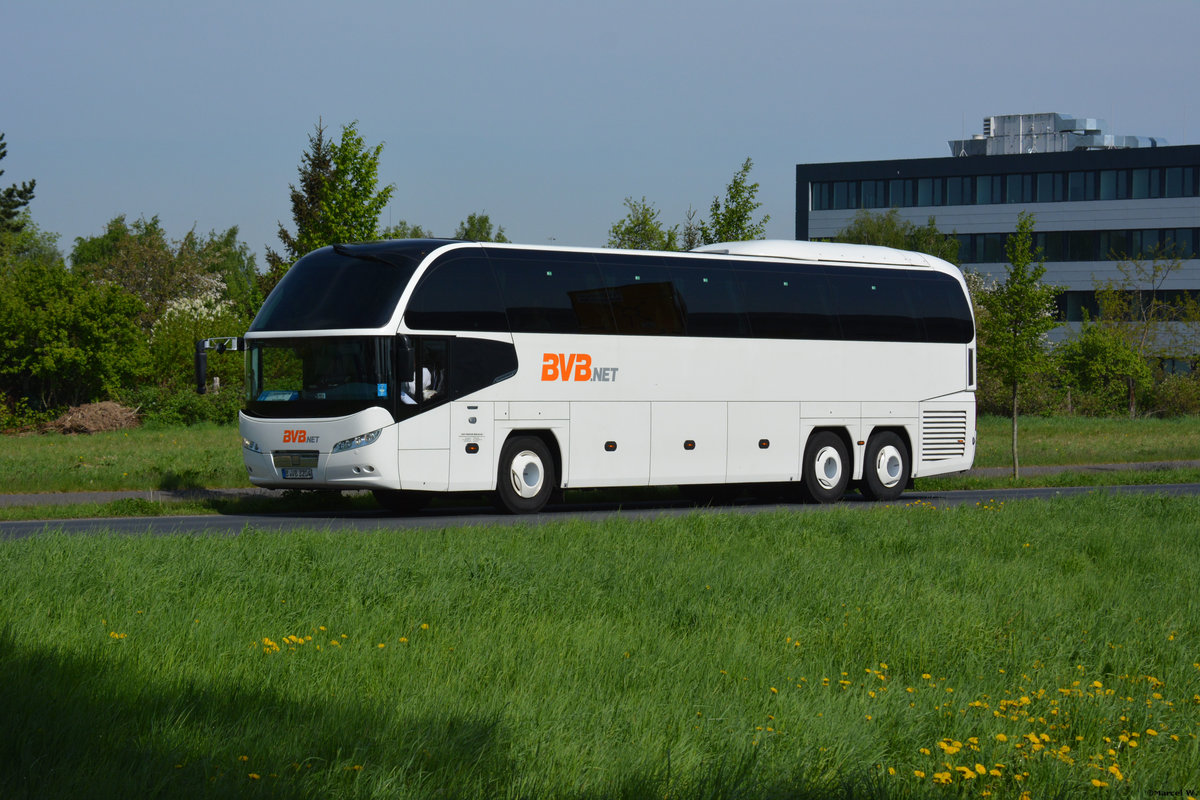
(545,115)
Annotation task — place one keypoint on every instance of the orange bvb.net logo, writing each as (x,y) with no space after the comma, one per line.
(574,367)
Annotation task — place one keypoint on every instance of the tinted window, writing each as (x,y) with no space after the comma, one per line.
(476,363)
(939,300)
(789,305)
(458,293)
(343,286)
(874,305)
(641,294)
(548,292)
(711,299)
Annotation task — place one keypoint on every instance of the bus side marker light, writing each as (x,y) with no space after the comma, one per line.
(763,444)
(610,447)
(690,444)
(472,447)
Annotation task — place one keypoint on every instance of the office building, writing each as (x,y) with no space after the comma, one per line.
(1091,193)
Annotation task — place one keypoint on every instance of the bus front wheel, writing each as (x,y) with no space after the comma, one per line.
(826,468)
(526,475)
(886,467)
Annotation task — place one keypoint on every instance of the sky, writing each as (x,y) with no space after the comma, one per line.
(544,115)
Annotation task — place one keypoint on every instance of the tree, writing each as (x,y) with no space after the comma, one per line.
(402,230)
(733,220)
(1018,313)
(641,229)
(888,230)
(1100,367)
(478,228)
(13,199)
(66,339)
(352,200)
(141,260)
(1155,323)
(338,200)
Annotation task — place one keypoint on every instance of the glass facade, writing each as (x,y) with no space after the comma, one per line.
(1022,187)
(1056,246)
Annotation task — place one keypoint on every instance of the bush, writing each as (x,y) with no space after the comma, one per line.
(164,406)
(1040,394)
(1175,396)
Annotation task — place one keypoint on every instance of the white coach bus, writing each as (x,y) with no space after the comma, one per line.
(420,366)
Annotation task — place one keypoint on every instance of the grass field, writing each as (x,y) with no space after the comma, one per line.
(1030,649)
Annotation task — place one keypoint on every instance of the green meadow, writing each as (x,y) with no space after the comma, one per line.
(1039,649)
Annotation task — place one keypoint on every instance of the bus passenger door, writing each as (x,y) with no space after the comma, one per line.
(472,446)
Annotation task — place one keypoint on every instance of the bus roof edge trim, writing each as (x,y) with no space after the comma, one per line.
(819,251)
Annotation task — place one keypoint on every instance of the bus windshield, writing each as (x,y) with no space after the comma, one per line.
(342,286)
(319,377)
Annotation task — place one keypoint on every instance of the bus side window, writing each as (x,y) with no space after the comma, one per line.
(642,295)
(478,363)
(711,299)
(549,292)
(459,293)
(789,305)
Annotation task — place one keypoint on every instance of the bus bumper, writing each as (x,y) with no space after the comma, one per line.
(299,454)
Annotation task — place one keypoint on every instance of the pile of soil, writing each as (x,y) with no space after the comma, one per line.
(95,418)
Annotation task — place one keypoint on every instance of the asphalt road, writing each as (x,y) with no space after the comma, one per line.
(485,515)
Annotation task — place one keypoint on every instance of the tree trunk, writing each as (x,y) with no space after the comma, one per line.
(1016,467)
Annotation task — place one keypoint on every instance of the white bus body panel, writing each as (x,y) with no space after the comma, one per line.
(705,425)
(295,443)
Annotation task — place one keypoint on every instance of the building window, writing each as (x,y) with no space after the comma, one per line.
(1041,187)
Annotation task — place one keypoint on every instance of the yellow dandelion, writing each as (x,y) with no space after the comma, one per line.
(1099,784)
(403,640)
(774,690)
(254,776)
(424,626)
(918,773)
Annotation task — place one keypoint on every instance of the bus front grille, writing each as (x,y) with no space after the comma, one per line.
(294,458)
(943,435)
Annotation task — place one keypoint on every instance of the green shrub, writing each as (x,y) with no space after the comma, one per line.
(1175,396)
(165,406)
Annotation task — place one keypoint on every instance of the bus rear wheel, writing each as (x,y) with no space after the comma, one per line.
(526,475)
(886,468)
(826,468)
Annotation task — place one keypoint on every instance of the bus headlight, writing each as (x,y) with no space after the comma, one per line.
(358,441)
(249,445)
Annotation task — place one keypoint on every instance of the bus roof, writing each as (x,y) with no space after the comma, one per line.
(839,252)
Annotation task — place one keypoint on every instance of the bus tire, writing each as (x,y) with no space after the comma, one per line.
(401,502)
(526,475)
(886,467)
(826,468)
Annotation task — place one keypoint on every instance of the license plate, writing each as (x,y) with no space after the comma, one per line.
(298,473)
